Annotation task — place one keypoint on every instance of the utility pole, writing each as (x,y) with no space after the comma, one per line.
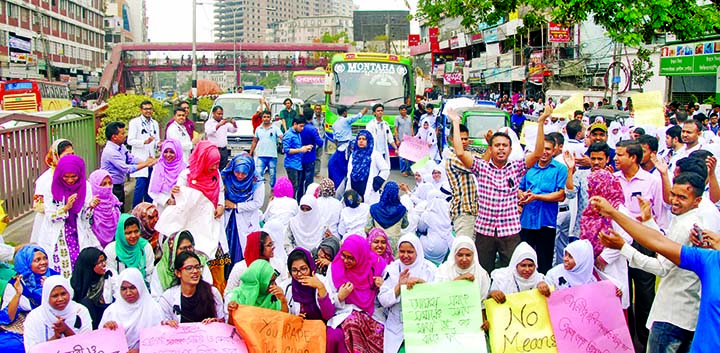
(194,60)
(387,33)
(615,87)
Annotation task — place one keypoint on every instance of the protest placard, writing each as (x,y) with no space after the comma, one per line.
(192,338)
(265,330)
(443,317)
(420,165)
(648,108)
(521,324)
(102,340)
(589,318)
(412,148)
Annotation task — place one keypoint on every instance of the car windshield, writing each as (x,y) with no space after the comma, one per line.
(367,83)
(238,108)
(478,125)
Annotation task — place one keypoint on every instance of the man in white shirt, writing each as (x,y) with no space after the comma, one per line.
(674,313)
(217,129)
(177,131)
(318,120)
(381,132)
(143,137)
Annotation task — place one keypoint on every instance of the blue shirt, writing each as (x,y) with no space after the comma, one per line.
(267,141)
(342,128)
(310,136)
(517,121)
(292,140)
(705,263)
(118,161)
(539,180)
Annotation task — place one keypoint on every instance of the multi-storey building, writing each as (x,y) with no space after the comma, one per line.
(311,29)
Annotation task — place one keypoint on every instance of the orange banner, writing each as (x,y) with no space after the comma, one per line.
(265,330)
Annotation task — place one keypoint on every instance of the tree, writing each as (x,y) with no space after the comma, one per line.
(124,107)
(204,104)
(271,80)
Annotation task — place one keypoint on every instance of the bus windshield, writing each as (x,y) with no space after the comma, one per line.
(367,83)
(309,87)
(478,125)
(238,108)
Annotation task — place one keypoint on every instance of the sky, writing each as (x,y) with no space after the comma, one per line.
(176,25)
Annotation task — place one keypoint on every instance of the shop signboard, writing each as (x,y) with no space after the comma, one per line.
(558,34)
(690,59)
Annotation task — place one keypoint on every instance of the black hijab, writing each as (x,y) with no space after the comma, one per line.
(84,276)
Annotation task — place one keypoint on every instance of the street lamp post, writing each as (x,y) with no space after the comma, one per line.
(194,60)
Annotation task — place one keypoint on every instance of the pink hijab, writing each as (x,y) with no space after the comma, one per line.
(605,184)
(361,276)
(283,188)
(388,255)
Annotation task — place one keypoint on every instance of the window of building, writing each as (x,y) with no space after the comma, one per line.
(12,10)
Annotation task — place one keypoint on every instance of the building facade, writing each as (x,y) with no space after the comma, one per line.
(369,25)
(246,21)
(311,29)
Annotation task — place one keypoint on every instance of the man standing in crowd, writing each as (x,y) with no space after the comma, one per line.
(177,131)
(118,161)
(649,146)
(576,141)
(143,137)
(294,151)
(381,132)
(540,191)
(673,142)
(288,115)
(463,185)
(188,124)
(517,120)
(264,147)
(403,127)
(217,129)
(310,137)
(318,120)
(342,130)
(498,222)
(691,132)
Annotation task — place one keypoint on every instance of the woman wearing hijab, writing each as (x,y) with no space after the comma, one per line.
(380,245)
(519,276)
(426,133)
(107,212)
(282,206)
(306,230)
(577,267)
(367,169)
(22,294)
(409,269)
(164,276)
(148,214)
(59,149)
(354,216)
(165,174)
(615,134)
(331,206)
(463,264)
(325,254)
(134,309)
(244,196)
(307,296)
(68,209)
(260,246)
(258,289)
(353,282)
(193,299)
(130,250)
(93,283)
(389,214)
(604,184)
(58,316)
(436,224)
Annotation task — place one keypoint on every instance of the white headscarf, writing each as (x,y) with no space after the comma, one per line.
(144,313)
(613,139)
(421,268)
(427,135)
(582,273)
(449,270)
(306,226)
(508,280)
(517,152)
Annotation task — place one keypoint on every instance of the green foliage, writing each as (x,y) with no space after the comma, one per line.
(124,107)
(271,80)
(710,100)
(341,37)
(204,104)
(642,67)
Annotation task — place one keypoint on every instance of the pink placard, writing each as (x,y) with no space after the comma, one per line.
(190,338)
(589,318)
(413,148)
(102,340)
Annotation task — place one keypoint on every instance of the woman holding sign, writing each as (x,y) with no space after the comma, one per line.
(520,276)
(408,270)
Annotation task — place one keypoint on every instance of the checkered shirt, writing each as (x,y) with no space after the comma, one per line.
(498,197)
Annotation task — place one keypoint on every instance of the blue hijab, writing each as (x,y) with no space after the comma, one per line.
(388,210)
(362,157)
(32,288)
(240,190)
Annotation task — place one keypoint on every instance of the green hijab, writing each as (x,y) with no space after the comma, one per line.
(131,256)
(254,288)
(165,268)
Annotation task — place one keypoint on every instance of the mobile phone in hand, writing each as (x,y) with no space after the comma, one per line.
(699,232)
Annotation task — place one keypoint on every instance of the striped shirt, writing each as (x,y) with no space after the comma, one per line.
(463,186)
(498,197)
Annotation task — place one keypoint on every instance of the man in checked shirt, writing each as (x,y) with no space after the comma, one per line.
(497,225)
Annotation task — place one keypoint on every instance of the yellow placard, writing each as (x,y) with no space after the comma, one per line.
(567,108)
(648,109)
(521,324)
(4,219)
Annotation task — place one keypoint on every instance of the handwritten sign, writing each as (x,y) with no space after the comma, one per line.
(521,324)
(589,318)
(414,149)
(648,108)
(443,317)
(191,338)
(267,330)
(102,340)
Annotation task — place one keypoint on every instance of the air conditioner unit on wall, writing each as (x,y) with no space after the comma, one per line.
(598,82)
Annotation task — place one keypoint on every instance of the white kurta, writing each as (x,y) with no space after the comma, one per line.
(353,220)
(179,132)
(42,188)
(115,265)
(378,167)
(172,298)
(281,209)
(247,215)
(139,130)
(330,207)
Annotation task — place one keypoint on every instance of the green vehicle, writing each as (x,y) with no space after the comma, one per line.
(479,119)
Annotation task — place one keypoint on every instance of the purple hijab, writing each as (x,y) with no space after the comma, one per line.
(303,294)
(165,174)
(107,213)
(387,257)
(61,191)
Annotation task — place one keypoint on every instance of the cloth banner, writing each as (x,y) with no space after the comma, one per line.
(101,340)
(191,338)
(521,324)
(443,317)
(267,330)
(648,109)
(567,108)
(589,318)
(413,148)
